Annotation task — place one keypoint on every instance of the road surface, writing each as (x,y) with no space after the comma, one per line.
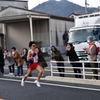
(10,89)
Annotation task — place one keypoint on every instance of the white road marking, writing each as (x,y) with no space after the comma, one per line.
(51,84)
(18,77)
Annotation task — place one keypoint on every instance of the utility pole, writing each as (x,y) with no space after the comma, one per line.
(86,4)
(98,8)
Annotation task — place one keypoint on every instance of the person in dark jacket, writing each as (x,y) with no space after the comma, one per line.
(1,61)
(73,57)
(56,55)
(65,38)
(41,60)
(24,55)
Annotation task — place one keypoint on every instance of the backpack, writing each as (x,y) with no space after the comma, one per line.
(97,49)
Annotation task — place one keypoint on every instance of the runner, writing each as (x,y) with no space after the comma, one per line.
(32,58)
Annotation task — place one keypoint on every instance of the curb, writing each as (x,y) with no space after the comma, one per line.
(65,80)
(73,80)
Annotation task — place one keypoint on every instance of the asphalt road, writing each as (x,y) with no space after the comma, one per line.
(10,89)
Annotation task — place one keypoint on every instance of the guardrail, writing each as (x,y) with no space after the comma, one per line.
(83,68)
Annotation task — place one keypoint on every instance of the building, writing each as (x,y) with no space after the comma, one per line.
(15,3)
(4,4)
(72,15)
(21,25)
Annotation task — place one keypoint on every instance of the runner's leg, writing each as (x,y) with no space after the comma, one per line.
(40,72)
(27,74)
(25,77)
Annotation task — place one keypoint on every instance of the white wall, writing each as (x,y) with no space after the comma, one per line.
(58,27)
(41,31)
(18,35)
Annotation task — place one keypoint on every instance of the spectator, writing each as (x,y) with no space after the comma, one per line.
(92,55)
(41,61)
(65,38)
(18,59)
(1,61)
(24,55)
(10,60)
(56,55)
(73,57)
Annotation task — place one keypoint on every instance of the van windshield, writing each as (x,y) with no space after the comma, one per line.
(82,34)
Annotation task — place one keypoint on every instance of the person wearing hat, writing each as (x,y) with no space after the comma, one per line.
(92,56)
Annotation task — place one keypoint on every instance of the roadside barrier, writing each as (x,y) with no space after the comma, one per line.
(83,68)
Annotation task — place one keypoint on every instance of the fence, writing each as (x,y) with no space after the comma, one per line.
(83,68)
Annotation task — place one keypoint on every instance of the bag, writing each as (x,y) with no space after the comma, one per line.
(97,49)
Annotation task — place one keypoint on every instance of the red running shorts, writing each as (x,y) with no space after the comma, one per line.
(33,66)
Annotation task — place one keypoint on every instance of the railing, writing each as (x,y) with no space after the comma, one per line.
(83,68)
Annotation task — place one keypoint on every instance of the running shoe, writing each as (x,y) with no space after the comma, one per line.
(37,83)
(22,82)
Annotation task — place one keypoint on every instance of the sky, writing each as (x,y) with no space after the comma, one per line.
(92,3)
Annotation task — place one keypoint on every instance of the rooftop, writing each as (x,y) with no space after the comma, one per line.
(14,0)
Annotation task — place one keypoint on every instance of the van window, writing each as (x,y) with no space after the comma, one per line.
(82,34)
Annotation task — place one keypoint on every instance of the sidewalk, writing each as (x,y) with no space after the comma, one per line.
(63,79)
(73,80)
